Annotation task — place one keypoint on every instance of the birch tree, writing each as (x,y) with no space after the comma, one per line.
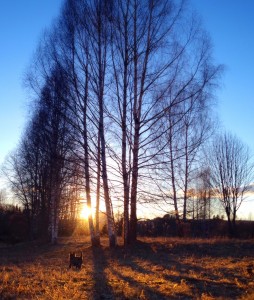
(231,174)
(157,66)
(79,43)
(57,139)
(130,65)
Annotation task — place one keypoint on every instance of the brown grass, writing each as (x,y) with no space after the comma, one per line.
(153,268)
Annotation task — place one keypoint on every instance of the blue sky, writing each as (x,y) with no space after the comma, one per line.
(21,24)
(230,24)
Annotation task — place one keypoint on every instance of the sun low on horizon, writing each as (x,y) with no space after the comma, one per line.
(85,212)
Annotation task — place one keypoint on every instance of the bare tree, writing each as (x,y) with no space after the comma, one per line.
(121,54)
(24,169)
(159,71)
(196,129)
(231,174)
(100,11)
(78,43)
(202,196)
(131,66)
(58,141)
(39,166)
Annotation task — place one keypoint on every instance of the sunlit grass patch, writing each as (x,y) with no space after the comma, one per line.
(151,269)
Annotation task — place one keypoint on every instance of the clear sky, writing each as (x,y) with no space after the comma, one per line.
(230,24)
(21,24)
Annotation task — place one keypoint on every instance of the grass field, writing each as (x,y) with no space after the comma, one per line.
(154,268)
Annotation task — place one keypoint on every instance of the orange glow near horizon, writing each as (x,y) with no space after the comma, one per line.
(85,212)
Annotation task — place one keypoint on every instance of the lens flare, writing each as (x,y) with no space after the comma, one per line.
(85,212)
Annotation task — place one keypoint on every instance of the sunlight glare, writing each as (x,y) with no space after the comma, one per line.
(85,212)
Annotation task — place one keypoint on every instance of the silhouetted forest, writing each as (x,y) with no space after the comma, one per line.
(14,227)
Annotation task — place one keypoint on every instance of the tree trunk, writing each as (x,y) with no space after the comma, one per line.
(133,218)
(98,190)
(108,204)
(230,224)
(186,175)
(101,61)
(94,239)
(172,168)
(124,136)
(53,216)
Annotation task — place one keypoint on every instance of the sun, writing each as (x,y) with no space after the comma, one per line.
(85,212)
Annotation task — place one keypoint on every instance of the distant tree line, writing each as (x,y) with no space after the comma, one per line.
(198,228)
(15,229)
(122,113)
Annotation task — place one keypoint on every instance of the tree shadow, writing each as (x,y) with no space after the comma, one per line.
(216,289)
(151,268)
(145,292)
(175,257)
(35,251)
(102,289)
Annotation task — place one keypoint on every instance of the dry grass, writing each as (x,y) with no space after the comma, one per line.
(151,269)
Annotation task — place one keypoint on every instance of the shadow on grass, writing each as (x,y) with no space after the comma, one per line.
(39,250)
(185,261)
(149,269)
(142,289)
(217,290)
(191,247)
(102,290)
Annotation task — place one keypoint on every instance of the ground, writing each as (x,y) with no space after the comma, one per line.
(153,268)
